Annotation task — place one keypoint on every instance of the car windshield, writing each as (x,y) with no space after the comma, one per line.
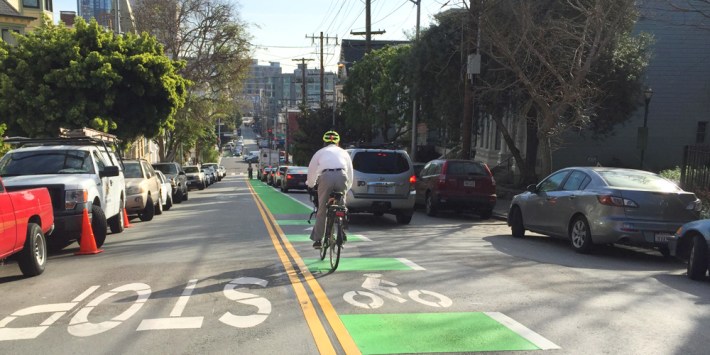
(298,170)
(166,168)
(628,179)
(46,162)
(191,169)
(465,168)
(380,163)
(132,170)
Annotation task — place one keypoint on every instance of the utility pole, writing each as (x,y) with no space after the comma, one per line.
(322,68)
(473,67)
(303,84)
(368,47)
(368,29)
(414,102)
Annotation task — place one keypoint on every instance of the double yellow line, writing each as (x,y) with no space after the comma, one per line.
(325,346)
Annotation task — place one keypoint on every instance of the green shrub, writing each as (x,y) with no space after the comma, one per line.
(671,174)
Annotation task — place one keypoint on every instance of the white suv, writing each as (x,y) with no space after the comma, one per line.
(79,173)
(383,182)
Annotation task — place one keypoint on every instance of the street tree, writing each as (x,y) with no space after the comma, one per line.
(558,58)
(312,124)
(58,77)
(211,38)
(387,72)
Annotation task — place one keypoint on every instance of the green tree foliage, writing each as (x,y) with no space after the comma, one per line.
(88,77)
(384,112)
(311,127)
(440,86)
(4,148)
(214,43)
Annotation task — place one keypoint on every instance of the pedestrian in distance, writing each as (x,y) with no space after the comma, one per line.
(331,169)
(250,171)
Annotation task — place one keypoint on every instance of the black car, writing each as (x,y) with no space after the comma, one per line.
(294,178)
(178,180)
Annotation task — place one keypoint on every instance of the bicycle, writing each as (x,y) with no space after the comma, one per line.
(335,218)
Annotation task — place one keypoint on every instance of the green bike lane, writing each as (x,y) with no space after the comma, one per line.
(392,333)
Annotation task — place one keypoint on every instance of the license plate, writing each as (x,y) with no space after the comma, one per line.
(469,183)
(301,183)
(381,189)
(662,237)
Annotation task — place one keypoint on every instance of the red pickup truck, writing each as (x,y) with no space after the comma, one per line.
(26,218)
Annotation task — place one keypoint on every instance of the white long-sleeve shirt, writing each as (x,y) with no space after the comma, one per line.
(330,157)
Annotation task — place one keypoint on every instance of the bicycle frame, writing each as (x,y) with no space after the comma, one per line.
(333,239)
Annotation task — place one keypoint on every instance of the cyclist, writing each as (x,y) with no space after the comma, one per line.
(331,169)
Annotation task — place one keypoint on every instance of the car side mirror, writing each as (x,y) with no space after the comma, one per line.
(532,188)
(109,171)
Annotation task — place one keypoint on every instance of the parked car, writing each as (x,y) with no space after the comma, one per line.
(599,205)
(223,171)
(383,182)
(264,174)
(270,175)
(195,177)
(690,242)
(79,173)
(456,184)
(178,180)
(142,189)
(279,175)
(215,170)
(26,217)
(166,197)
(294,178)
(209,176)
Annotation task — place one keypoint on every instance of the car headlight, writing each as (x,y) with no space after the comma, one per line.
(134,190)
(73,198)
(696,205)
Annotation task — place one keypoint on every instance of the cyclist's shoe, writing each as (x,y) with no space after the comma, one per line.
(316,244)
(345,237)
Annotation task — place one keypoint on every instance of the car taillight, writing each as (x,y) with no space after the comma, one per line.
(340,213)
(289,176)
(617,201)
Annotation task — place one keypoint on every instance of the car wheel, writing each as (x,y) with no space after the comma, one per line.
(404,217)
(148,211)
(429,205)
(159,205)
(486,214)
(169,203)
(116,222)
(284,188)
(580,235)
(202,186)
(517,227)
(698,261)
(98,225)
(33,256)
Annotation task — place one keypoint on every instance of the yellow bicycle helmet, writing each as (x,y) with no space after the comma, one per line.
(331,137)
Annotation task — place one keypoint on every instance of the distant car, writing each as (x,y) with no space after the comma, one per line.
(294,178)
(383,183)
(690,242)
(195,177)
(209,176)
(142,189)
(166,196)
(271,174)
(265,174)
(178,180)
(215,169)
(600,205)
(223,171)
(456,184)
(279,175)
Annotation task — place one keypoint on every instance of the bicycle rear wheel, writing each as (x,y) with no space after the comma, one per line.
(336,244)
(326,239)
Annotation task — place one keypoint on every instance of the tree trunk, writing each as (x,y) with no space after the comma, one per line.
(527,174)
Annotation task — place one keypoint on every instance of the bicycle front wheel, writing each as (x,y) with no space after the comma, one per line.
(326,239)
(336,245)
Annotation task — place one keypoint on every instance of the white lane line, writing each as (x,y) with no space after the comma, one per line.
(523,331)
(411,264)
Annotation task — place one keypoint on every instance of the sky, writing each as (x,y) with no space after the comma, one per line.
(279,28)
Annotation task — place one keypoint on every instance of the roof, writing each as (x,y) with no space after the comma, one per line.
(8,10)
(352,50)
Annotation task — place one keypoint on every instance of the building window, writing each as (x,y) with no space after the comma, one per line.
(31,3)
(700,133)
(48,5)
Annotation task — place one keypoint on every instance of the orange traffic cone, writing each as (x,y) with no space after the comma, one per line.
(88,243)
(126,222)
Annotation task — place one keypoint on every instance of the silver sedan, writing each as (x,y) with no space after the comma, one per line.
(599,205)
